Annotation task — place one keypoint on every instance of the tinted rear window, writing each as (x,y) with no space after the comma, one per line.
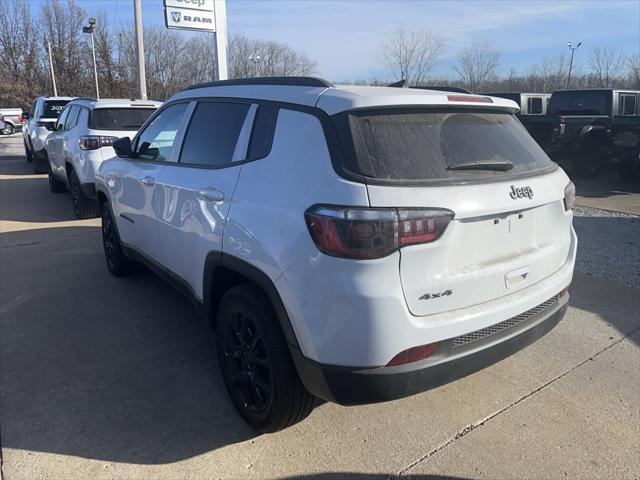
(580,103)
(53,108)
(421,145)
(119,118)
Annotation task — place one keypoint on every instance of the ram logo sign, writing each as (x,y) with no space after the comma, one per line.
(190,15)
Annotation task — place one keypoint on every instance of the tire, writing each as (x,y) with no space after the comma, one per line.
(8,129)
(117,262)
(55,185)
(588,162)
(83,206)
(40,164)
(27,153)
(255,362)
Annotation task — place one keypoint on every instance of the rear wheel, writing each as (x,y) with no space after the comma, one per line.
(40,163)
(55,185)
(117,262)
(8,129)
(83,206)
(27,153)
(255,362)
(588,162)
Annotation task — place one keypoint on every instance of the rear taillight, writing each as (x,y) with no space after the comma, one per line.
(94,142)
(414,354)
(468,98)
(569,196)
(366,233)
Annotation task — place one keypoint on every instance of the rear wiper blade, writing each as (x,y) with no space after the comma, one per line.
(495,166)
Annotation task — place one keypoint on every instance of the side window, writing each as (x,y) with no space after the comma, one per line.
(534,106)
(264,125)
(72,118)
(213,133)
(83,117)
(156,141)
(627,105)
(62,120)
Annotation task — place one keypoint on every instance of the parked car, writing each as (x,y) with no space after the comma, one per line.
(584,129)
(81,140)
(11,120)
(44,110)
(529,103)
(355,244)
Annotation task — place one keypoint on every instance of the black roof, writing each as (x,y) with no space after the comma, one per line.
(286,81)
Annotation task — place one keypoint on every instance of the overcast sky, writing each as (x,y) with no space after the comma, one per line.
(344,36)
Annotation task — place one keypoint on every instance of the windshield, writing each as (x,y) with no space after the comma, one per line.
(119,118)
(53,108)
(595,102)
(438,145)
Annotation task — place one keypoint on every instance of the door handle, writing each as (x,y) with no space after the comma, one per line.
(148,181)
(210,195)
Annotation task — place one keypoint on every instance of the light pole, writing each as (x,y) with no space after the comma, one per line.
(255,59)
(142,77)
(573,50)
(89,30)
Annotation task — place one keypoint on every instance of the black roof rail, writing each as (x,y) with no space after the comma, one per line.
(285,81)
(399,84)
(91,99)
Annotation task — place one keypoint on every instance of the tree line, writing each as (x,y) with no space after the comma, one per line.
(174,61)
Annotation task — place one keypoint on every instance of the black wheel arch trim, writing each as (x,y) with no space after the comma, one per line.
(218,259)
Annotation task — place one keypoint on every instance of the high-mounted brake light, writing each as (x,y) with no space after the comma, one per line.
(469,98)
(94,142)
(569,196)
(367,233)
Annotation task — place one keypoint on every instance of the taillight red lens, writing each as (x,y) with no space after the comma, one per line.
(468,98)
(367,233)
(94,142)
(413,354)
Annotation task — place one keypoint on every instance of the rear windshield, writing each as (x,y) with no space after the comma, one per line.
(424,145)
(596,102)
(53,108)
(119,118)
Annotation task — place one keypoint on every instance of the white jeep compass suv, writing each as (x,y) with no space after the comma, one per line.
(355,244)
(80,140)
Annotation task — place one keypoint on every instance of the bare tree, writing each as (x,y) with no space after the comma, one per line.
(633,65)
(477,65)
(250,57)
(606,63)
(412,54)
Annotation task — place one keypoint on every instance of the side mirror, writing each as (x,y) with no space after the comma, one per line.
(51,126)
(122,147)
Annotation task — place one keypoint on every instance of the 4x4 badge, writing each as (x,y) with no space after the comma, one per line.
(429,296)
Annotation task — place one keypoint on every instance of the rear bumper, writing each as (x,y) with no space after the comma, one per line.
(355,386)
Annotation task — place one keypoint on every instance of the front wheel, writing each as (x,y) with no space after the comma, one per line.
(8,129)
(83,206)
(255,362)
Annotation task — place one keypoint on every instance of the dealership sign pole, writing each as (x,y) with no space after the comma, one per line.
(204,16)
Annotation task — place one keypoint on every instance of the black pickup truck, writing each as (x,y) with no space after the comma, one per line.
(584,129)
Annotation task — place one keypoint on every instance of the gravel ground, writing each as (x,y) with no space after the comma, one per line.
(608,244)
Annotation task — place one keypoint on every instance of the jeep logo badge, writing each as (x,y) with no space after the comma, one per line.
(521,192)
(175,16)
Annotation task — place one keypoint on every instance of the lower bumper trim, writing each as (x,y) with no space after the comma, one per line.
(357,386)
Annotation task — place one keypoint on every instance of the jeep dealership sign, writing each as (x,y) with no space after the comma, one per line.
(190,14)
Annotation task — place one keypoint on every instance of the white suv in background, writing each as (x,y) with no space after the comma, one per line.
(43,111)
(81,140)
(356,244)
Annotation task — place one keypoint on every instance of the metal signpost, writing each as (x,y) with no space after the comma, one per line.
(205,16)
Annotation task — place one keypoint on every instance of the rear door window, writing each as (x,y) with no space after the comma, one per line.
(53,108)
(119,118)
(61,122)
(627,104)
(72,118)
(534,106)
(264,126)
(432,146)
(213,133)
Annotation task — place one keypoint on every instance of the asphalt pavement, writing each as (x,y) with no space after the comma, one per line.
(117,378)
